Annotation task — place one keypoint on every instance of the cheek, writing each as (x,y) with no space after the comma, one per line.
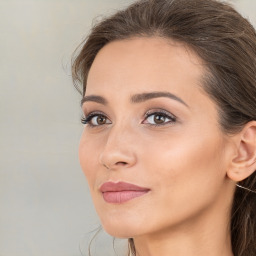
(89,151)
(87,158)
(196,159)
(187,173)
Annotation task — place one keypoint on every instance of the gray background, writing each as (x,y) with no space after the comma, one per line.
(45,205)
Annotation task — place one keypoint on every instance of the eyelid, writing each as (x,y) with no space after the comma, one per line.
(88,117)
(160,111)
(163,112)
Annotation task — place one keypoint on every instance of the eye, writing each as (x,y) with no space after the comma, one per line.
(95,119)
(159,118)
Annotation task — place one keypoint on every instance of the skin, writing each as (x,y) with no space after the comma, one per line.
(184,162)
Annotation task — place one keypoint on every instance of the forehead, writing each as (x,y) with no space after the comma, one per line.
(143,61)
(148,64)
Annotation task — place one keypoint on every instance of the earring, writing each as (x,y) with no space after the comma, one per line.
(246,188)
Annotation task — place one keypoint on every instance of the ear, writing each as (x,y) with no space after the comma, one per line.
(243,163)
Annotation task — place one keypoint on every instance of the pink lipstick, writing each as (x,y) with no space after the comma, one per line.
(117,193)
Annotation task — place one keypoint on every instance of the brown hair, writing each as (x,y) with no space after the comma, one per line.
(226,42)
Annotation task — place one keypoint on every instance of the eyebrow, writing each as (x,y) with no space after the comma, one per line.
(137,98)
(94,98)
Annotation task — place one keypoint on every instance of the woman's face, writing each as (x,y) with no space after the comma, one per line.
(149,123)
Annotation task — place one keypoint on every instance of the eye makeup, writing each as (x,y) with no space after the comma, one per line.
(153,117)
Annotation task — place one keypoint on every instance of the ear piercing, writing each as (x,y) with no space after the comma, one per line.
(253,191)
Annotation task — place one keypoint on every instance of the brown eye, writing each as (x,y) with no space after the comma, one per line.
(96,120)
(159,118)
(100,120)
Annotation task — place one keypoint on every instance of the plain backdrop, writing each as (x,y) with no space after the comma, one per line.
(46,208)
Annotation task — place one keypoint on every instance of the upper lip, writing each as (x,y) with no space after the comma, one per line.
(120,186)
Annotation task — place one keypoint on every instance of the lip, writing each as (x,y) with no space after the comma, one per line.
(121,192)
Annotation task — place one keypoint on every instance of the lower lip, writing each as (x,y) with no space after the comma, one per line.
(119,197)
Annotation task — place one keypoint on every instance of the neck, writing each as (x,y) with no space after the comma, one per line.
(208,234)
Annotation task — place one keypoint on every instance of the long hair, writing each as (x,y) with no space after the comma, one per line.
(226,42)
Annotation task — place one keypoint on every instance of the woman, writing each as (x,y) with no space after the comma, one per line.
(169,144)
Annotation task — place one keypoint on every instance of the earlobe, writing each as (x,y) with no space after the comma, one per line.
(244,162)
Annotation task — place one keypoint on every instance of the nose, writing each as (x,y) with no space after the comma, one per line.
(119,149)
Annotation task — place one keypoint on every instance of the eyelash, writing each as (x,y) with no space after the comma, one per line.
(87,120)
(163,113)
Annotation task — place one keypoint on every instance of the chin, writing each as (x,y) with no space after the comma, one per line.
(122,220)
(121,232)
(122,227)
(118,232)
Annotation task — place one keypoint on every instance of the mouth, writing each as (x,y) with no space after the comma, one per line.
(118,193)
